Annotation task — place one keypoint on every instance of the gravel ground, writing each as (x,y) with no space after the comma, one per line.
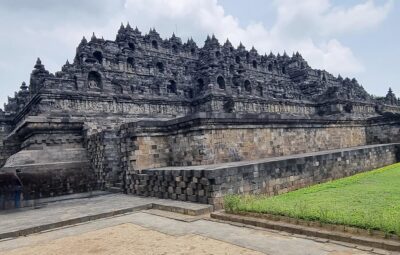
(131,239)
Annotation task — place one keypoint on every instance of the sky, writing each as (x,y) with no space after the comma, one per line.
(353,38)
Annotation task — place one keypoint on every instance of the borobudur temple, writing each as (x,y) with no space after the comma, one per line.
(158,117)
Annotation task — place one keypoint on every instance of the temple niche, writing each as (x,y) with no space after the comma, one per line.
(98,56)
(171,87)
(94,80)
(221,82)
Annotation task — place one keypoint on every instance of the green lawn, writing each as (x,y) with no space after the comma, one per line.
(368,200)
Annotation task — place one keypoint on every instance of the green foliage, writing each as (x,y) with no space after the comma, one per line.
(231,203)
(368,200)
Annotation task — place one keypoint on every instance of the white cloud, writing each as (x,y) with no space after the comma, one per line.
(319,17)
(356,18)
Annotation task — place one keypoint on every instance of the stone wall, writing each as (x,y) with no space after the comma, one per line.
(52,161)
(209,184)
(383,133)
(211,139)
(104,156)
(384,129)
(232,143)
(9,147)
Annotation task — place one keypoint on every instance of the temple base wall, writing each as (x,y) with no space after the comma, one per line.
(7,148)
(209,184)
(383,133)
(141,157)
(213,139)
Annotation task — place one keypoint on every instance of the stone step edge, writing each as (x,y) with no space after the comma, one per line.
(308,231)
(207,209)
(83,219)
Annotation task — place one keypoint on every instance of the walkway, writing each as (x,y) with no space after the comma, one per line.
(150,231)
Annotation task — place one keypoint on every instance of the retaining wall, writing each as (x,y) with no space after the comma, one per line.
(210,139)
(384,130)
(209,184)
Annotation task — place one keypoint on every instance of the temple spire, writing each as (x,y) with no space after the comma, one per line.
(23,86)
(38,64)
(83,42)
(121,29)
(137,30)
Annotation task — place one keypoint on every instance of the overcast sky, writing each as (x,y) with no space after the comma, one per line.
(355,38)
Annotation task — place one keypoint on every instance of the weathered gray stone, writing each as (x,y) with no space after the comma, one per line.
(142,102)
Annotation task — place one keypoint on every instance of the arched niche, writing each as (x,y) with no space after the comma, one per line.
(247,86)
(221,82)
(94,80)
(260,90)
(270,67)
(175,48)
(154,44)
(98,56)
(200,85)
(237,60)
(231,69)
(254,63)
(160,67)
(76,86)
(130,62)
(171,87)
(131,46)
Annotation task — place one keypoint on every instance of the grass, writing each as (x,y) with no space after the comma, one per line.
(369,200)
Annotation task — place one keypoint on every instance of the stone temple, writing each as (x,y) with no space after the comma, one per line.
(158,117)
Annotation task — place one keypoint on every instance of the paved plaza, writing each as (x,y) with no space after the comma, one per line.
(150,231)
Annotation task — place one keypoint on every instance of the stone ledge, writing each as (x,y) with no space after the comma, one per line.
(223,166)
(309,231)
(237,119)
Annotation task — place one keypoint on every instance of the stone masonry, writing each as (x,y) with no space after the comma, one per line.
(139,102)
(209,184)
(204,139)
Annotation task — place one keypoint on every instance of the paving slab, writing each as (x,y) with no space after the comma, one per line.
(94,214)
(68,212)
(178,232)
